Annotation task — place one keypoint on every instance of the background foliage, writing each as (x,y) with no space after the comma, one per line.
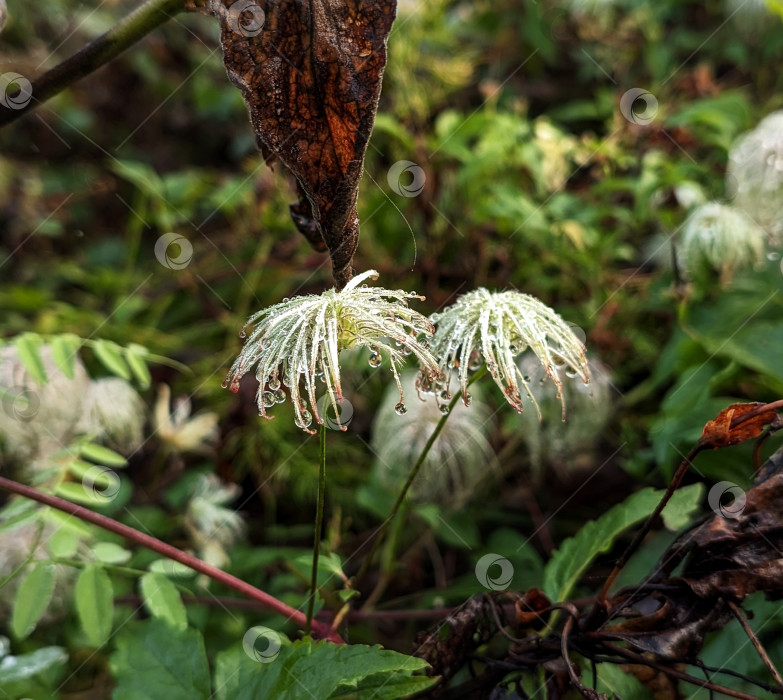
(534,180)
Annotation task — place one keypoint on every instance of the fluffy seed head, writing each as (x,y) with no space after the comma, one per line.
(720,237)
(493,328)
(299,339)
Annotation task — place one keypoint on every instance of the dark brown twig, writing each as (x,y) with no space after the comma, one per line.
(756,643)
(127,32)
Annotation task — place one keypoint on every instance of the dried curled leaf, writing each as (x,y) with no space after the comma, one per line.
(310,72)
(719,432)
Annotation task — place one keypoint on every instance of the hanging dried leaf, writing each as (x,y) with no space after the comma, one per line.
(719,433)
(310,72)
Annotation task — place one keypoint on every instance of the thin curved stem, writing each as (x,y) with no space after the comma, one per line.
(170,552)
(411,477)
(319,521)
(127,32)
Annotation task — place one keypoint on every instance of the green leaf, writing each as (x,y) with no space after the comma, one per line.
(84,495)
(304,668)
(17,513)
(32,598)
(95,603)
(136,358)
(102,455)
(680,509)
(110,553)
(110,356)
(153,660)
(19,668)
(64,352)
(383,686)
(616,683)
(170,568)
(63,543)
(27,346)
(162,600)
(576,553)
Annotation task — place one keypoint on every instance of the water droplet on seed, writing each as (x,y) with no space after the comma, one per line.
(400,409)
(274,383)
(268,399)
(279,396)
(375,359)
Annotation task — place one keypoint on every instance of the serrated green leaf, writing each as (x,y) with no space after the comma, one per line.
(153,660)
(110,553)
(384,686)
(576,553)
(102,455)
(295,671)
(32,598)
(162,600)
(137,361)
(64,352)
(110,356)
(95,603)
(28,348)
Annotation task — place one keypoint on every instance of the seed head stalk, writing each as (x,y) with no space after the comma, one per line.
(411,478)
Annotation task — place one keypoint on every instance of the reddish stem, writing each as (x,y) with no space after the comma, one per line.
(320,630)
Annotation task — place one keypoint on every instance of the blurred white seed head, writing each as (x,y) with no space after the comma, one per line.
(300,339)
(459,459)
(175,426)
(213,528)
(565,445)
(113,414)
(494,328)
(34,419)
(720,237)
(755,174)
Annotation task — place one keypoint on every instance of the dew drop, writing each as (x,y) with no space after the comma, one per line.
(279,395)
(242,334)
(445,396)
(307,418)
(475,361)
(514,349)
(443,408)
(274,383)
(225,383)
(467,399)
(571,372)
(268,399)
(526,378)
(400,409)
(234,387)
(375,359)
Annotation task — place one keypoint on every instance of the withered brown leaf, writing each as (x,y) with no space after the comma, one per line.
(310,73)
(719,433)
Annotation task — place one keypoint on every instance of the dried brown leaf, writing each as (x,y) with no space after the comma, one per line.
(310,73)
(719,432)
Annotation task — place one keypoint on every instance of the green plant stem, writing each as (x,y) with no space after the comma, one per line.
(127,32)
(170,552)
(413,474)
(319,521)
